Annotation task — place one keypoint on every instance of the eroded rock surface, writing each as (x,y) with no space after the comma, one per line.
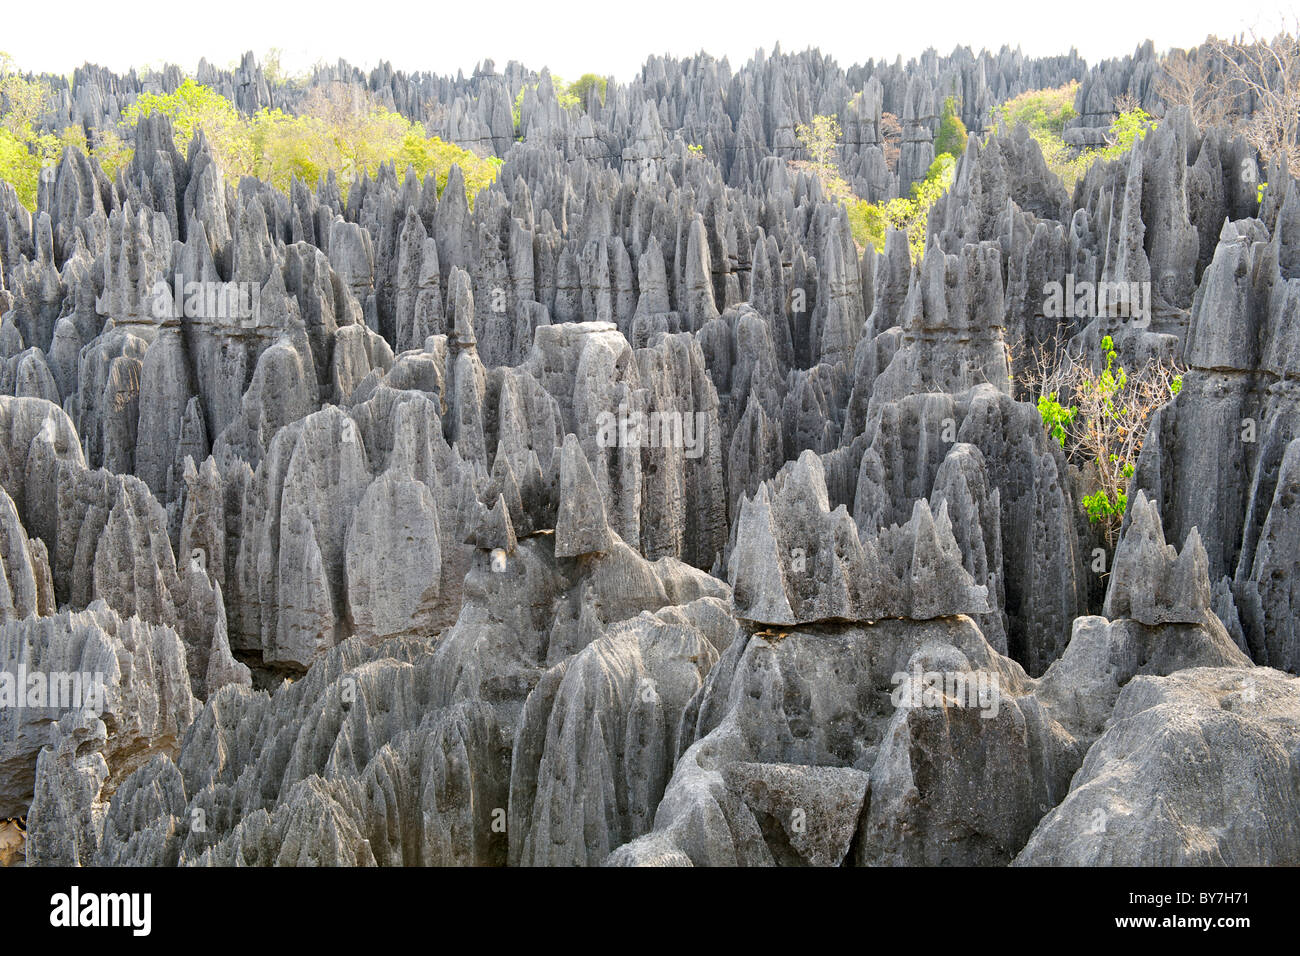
(628,511)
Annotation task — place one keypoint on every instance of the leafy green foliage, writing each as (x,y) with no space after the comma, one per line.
(1056,416)
(1069,164)
(819,138)
(1103,428)
(581,88)
(340,128)
(517,107)
(19,167)
(111,151)
(431,156)
(25,100)
(193,108)
(24,152)
(1102,508)
(1045,111)
(951,137)
(870,222)
(289,147)
(1126,129)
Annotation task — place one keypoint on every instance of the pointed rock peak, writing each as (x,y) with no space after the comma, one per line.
(1150,581)
(494,530)
(756,576)
(412,228)
(460,298)
(504,484)
(922,520)
(581,526)
(805,481)
(796,561)
(1286,231)
(937,582)
(453,205)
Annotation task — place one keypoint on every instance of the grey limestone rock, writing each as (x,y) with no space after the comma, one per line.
(580,527)
(796,562)
(1150,581)
(435,520)
(129,671)
(1193,769)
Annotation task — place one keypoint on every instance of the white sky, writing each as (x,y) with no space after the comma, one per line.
(611,37)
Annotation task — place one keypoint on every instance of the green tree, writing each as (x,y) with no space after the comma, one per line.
(19,167)
(951,137)
(24,151)
(195,108)
(110,151)
(288,147)
(870,222)
(819,138)
(25,100)
(431,156)
(1126,129)
(1044,114)
(1103,426)
(340,127)
(1046,110)
(581,88)
(360,134)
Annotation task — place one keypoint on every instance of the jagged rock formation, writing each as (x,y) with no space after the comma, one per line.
(1193,769)
(795,563)
(1240,412)
(628,512)
(960,779)
(1150,581)
(127,672)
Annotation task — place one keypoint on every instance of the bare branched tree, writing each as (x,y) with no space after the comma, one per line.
(1186,79)
(1267,72)
(1126,102)
(1099,412)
